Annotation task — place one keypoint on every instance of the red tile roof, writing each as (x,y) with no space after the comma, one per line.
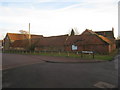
(24,43)
(72,39)
(87,37)
(105,39)
(16,36)
(52,41)
(108,34)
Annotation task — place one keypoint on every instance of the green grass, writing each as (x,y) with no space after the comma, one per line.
(73,55)
(106,57)
(103,57)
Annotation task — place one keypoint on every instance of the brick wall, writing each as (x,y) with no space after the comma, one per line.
(54,48)
(99,48)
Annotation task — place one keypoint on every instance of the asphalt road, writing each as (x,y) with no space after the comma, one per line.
(57,75)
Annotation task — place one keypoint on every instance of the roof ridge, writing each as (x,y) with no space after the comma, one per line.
(104,31)
(56,36)
(23,34)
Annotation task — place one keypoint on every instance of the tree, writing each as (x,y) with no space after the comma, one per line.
(72,33)
(24,32)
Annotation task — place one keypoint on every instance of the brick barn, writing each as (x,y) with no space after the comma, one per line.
(99,42)
(91,41)
(15,39)
(87,41)
(53,43)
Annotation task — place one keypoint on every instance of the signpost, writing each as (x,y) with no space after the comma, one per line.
(87,52)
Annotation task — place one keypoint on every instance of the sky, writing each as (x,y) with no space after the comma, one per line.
(58,17)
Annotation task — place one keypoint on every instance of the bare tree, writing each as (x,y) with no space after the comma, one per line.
(24,32)
(76,31)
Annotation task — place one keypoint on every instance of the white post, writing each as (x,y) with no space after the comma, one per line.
(29,36)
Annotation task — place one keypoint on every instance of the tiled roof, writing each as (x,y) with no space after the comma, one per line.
(52,41)
(105,39)
(24,43)
(89,40)
(87,31)
(108,34)
(16,36)
(88,37)
(72,39)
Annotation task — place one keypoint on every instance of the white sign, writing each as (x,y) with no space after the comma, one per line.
(74,47)
(87,51)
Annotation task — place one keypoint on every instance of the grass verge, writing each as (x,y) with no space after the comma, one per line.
(107,57)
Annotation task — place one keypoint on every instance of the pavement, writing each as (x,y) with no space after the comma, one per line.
(40,72)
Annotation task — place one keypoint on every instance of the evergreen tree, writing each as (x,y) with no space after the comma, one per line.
(72,32)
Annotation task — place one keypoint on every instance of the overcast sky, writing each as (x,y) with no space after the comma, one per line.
(57,17)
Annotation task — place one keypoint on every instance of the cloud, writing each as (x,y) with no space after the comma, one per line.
(95,15)
(41,0)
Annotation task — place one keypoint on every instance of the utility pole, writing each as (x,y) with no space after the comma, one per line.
(29,36)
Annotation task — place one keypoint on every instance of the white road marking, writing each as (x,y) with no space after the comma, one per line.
(104,85)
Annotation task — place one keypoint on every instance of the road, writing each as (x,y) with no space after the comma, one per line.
(22,71)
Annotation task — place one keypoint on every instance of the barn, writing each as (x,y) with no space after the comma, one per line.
(53,43)
(96,41)
(90,41)
(16,39)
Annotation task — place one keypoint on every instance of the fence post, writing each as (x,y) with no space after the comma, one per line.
(68,53)
(93,55)
(59,53)
(77,53)
(81,55)
(25,52)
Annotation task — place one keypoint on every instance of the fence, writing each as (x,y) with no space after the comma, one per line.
(81,54)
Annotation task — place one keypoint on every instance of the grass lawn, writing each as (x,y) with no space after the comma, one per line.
(74,55)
